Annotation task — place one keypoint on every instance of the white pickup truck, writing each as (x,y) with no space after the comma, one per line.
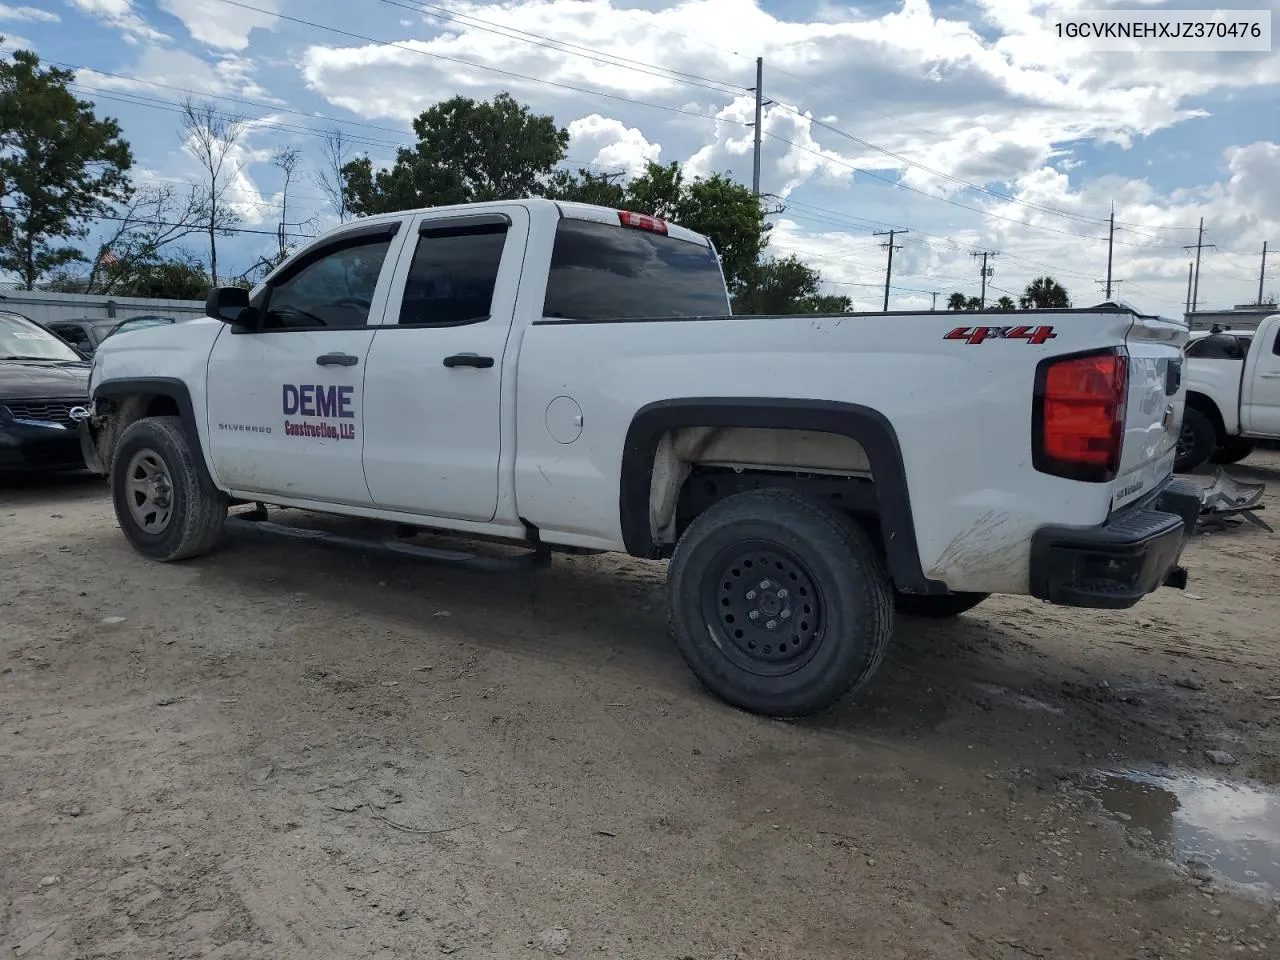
(569,377)
(1233,394)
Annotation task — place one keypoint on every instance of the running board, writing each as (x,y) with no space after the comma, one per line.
(530,560)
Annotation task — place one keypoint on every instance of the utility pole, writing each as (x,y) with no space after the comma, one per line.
(889,269)
(1195,285)
(986,272)
(934,294)
(759,89)
(1262,274)
(1189,270)
(1111,241)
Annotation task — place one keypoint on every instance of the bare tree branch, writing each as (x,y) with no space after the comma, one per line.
(329,178)
(211,137)
(153,218)
(287,160)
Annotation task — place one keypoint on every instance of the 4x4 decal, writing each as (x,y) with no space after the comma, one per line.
(973,335)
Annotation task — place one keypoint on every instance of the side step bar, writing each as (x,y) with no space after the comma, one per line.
(531,560)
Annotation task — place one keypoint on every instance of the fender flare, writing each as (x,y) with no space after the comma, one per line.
(170,387)
(864,425)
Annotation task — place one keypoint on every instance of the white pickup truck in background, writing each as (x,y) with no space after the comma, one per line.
(1233,394)
(568,377)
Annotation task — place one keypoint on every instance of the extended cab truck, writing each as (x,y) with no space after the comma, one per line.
(569,377)
(1233,394)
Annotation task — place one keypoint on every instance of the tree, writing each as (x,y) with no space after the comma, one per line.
(1044,293)
(152,218)
(958,301)
(178,279)
(286,159)
(211,137)
(59,166)
(786,285)
(467,151)
(329,178)
(603,189)
(1005,304)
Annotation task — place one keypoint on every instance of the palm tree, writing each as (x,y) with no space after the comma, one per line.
(1005,304)
(1044,293)
(956,301)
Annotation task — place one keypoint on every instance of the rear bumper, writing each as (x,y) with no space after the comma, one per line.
(1116,564)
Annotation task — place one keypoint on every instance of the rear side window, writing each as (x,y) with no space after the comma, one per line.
(605,272)
(452,276)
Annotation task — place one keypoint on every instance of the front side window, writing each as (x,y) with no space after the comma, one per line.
(334,291)
(453,274)
(21,339)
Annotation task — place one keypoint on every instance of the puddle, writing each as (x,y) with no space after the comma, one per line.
(1232,827)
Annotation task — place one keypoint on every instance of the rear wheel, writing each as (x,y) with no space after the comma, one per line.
(1233,450)
(165,501)
(1196,441)
(937,607)
(779,604)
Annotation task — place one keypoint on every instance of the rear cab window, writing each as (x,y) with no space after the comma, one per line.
(602,271)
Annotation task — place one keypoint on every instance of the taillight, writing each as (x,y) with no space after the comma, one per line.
(642,221)
(1078,420)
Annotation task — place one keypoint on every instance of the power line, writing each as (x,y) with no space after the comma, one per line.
(480,66)
(563,46)
(931,196)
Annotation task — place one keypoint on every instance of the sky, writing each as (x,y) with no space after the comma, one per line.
(970,126)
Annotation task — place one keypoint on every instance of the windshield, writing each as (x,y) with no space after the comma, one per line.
(20,339)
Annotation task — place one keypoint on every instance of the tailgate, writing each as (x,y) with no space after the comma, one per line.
(1153,416)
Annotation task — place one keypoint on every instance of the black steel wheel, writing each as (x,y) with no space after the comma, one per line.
(768,606)
(1233,450)
(1197,439)
(779,604)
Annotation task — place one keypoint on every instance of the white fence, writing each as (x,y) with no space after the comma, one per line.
(50,307)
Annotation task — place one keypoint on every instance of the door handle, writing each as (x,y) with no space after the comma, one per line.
(337,360)
(468,360)
(1270,376)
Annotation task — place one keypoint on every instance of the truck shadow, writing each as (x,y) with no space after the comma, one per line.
(978,678)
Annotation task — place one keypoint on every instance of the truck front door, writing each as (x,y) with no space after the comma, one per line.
(433,401)
(285,402)
(1260,389)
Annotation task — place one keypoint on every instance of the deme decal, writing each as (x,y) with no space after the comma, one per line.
(319,403)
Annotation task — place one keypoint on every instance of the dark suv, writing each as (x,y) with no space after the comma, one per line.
(44,394)
(86,333)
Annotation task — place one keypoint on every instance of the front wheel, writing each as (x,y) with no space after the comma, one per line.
(164,499)
(1233,450)
(779,604)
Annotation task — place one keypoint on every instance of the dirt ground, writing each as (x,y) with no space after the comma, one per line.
(286,751)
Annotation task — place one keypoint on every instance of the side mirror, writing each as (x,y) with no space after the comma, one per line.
(228,304)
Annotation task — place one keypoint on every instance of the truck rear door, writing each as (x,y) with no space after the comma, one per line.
(1153,411)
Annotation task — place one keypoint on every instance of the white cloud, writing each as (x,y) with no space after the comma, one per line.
(120,14)
(217,24)
(611,144)
(228,75)
(27,13)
